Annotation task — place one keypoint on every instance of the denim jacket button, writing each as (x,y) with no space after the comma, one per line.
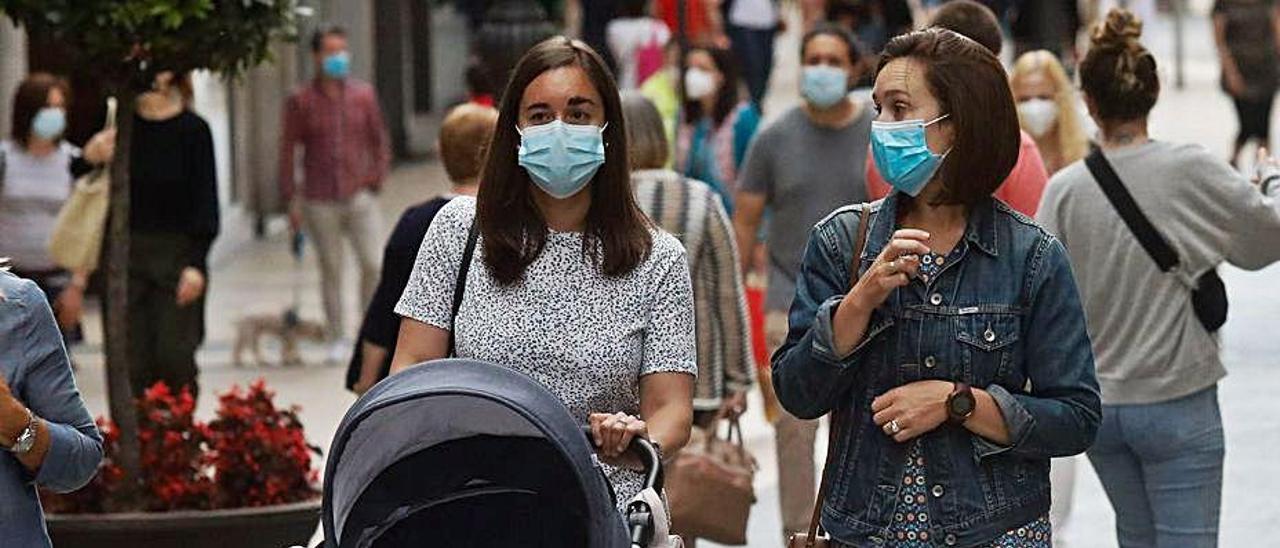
(930,362)
(950,540)
(935,299)
(989,335)
(937,491)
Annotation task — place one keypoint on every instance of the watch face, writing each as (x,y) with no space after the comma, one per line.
(962,405)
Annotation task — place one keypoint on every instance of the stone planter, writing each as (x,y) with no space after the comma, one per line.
(279,526)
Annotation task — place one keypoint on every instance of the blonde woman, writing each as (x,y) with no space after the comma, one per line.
(1047,109)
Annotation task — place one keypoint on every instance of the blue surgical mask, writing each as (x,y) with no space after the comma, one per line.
(824,85)
(49,123)
(902,154)
(561,158)
(337,66)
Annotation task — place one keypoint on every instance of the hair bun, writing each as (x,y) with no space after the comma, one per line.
(1120,30)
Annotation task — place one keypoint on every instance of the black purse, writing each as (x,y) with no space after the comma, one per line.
(1209,296)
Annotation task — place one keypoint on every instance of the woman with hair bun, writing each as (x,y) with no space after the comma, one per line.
(1159,451)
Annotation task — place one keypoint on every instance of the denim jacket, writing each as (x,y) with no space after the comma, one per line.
(1005,317)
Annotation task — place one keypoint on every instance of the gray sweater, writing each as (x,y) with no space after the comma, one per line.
(1148,344)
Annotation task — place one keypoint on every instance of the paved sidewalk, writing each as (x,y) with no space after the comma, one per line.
(258,277)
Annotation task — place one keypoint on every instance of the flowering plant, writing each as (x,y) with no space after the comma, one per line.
(251,454)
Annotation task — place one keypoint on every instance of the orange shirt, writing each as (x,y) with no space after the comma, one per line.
(1021,189)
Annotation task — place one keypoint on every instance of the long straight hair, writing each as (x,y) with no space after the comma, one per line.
(616,237)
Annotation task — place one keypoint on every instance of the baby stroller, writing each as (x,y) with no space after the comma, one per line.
(461,453)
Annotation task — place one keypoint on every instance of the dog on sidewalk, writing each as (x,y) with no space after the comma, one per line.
(251,329)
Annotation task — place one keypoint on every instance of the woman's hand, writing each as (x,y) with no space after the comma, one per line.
(101,147)
(908,411)
(190,286)
(69,306)
(734,405)
(894,268)
(612,434)
(1235,82)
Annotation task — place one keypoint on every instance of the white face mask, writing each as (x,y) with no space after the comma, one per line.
(1038,116)
(698,83)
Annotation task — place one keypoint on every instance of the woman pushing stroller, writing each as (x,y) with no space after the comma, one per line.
(569,283)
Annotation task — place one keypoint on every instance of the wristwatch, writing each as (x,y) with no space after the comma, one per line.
(960,404)
(27,438)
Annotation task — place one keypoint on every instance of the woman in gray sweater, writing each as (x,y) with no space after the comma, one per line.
(1160,448)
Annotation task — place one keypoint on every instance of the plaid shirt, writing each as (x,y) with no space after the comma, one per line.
(344,142)
(691,211)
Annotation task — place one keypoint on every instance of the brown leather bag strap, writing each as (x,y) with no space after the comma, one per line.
(833,429)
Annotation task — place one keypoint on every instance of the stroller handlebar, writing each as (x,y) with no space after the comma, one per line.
(644,450)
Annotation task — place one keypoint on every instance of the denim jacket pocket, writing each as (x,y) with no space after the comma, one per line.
(988,346)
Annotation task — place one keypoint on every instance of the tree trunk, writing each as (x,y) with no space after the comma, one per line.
(120,395)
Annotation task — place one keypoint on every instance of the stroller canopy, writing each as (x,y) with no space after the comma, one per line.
(418,439)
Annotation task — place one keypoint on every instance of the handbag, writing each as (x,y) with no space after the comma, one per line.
(816,537)
(709,486)
(76,241)
(1209,295)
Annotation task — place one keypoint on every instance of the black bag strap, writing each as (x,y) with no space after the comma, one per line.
(460,285)
(1155,244)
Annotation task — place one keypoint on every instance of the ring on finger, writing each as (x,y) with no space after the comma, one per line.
(894,427)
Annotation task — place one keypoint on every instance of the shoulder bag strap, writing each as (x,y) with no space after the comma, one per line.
(837,413)
(460,285)
(1155,244)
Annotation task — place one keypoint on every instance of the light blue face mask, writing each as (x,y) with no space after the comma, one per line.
(337,66)
(49,123)
(561,158)
(902,154)
(824,85)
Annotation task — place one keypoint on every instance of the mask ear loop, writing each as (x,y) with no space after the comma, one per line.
(941,157)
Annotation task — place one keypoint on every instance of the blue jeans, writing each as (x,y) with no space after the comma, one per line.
(1161,466)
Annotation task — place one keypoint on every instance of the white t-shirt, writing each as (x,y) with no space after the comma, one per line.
(32,192)
(754,14)
(626,37)
(585,337)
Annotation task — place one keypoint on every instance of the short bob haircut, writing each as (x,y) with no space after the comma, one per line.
(646,136)
(616,237)
(972,87)
(464,137)
(31,96)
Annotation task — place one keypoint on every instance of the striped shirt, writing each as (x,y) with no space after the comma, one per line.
(690,210)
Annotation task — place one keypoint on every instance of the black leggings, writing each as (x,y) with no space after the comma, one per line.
(1255,118)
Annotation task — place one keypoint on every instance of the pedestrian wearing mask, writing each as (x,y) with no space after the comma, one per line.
(718,126)
(1160,448)
(37,174)
(800,168)
(1047,109)
(337,123)
(689,210)
(1249,51)
(569,283)
(1025,184)
(173,221)
(952,350)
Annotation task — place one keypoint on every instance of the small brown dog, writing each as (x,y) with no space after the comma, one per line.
(250,329)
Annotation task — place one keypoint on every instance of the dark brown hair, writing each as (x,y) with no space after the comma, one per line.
(33,95)
(1118,74)
(972,87)
(726,97)
(971,20)
(616,237)
(464,137)
(325,31)
(835,31)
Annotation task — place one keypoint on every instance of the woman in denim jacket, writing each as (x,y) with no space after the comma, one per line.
(958,364)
